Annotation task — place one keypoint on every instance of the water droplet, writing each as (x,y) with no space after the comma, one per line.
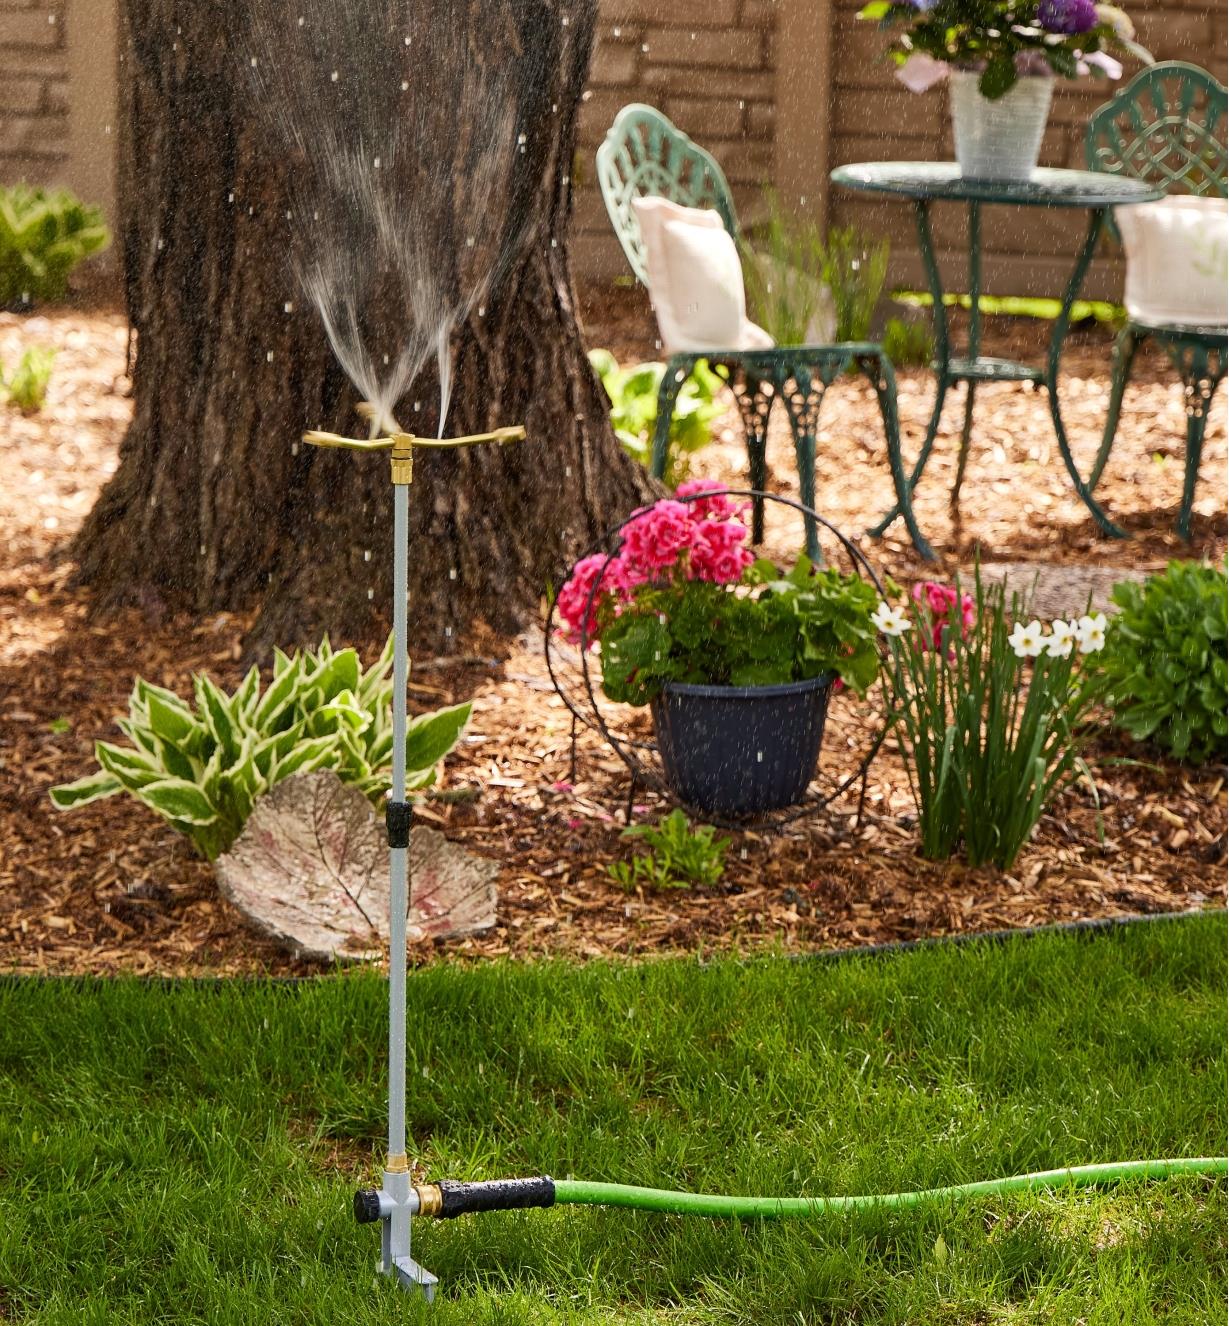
(334,76)
(405,87)
(452,573)
(371,594)
(366,554)
(269,357)
(288,307)
(253,60)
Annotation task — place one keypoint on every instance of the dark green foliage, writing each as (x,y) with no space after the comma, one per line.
(791,629)
(1164,662)
(679,854)
(908,343)
(203,767)
(43,236)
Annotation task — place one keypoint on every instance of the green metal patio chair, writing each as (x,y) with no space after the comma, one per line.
(1166,126)
(645,155)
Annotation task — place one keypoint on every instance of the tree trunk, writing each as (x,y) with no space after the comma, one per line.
(214,506)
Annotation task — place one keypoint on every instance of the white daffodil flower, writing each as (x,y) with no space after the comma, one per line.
(1090,633)
(890,620)
(1027,641)
(1061,640)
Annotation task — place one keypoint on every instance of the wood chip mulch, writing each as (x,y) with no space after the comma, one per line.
(110,889)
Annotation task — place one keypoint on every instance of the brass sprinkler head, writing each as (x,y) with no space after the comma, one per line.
(402,445)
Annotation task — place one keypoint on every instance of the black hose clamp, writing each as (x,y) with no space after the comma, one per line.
(397,816)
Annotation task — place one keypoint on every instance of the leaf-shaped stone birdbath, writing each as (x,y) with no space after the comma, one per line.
(310,870)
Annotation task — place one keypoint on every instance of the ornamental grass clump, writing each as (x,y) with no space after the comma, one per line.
(202,766)
(684,599)
(991,715)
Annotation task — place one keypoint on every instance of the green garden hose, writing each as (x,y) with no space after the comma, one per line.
(579,1193)
(451,1198)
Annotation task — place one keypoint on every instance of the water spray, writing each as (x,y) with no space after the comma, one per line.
(398,1200)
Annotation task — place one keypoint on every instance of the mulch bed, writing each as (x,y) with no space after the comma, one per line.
(109,888)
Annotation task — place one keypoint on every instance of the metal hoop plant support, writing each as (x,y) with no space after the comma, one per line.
(588,710)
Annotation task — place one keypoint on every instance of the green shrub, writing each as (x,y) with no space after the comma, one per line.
(784,274)
(678,856)
(203,766)
(855,268)
(1164,663)
(43,236)
(908,343)
(991,719)
(633,409)
(27,388)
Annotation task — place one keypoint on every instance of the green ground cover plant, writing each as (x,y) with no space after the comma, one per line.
(186,1152)
(1164,663)
(25,387)
(908,343)
(203,765)
(678,855)
(44,234)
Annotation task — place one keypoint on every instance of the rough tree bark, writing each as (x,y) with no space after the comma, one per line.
(213,506)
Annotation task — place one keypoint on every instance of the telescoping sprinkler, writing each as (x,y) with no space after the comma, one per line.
(399,1200)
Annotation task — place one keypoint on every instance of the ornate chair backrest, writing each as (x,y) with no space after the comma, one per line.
(644,155)
(1165,127)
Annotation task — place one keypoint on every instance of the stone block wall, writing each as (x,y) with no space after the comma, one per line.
(34,91)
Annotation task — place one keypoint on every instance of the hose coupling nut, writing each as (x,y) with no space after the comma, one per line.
(430,1199)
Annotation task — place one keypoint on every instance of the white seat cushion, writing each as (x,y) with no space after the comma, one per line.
(1177,261)
(695,279)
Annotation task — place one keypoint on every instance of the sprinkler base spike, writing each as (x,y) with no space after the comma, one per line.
(398,1202)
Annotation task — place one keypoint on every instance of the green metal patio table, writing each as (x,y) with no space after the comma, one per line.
(928,182)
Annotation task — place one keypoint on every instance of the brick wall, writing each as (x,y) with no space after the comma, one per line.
(1026,250)
(33,90)
(710,66)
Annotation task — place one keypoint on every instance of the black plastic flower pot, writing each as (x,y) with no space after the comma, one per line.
(741,750)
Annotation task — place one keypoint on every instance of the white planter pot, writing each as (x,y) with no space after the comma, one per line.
(999,140)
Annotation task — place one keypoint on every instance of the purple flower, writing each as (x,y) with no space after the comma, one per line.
(1068,17)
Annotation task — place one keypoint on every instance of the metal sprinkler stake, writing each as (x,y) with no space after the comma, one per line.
(399,1200)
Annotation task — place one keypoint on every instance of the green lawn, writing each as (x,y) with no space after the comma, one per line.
(188,1153)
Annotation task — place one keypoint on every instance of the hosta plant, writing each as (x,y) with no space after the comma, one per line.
(633,408)
(43,236)
(202,765)
(1164,662)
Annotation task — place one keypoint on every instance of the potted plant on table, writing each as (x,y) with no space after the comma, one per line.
(735,658)
(1000,58)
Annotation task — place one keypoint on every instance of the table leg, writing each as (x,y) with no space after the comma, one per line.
(904,500)
(1057,337)
(878,368)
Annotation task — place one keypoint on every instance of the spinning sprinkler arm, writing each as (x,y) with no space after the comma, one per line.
(398,1200)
